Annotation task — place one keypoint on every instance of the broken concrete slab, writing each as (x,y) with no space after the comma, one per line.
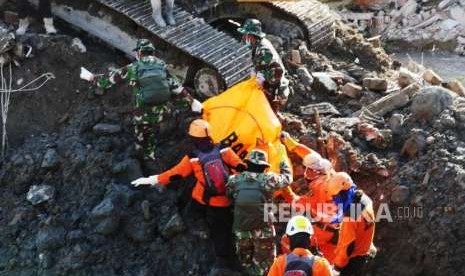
(375,84)
(324,83)
(339,125)
(352,90)
(304,76)
(392,101)
(323,108)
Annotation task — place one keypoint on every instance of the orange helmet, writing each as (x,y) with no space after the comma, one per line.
(340,181)
(199,128)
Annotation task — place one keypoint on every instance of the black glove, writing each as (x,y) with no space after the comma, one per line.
(241,167)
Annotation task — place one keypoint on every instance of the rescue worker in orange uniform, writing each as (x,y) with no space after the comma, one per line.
(300,261)
(324,209)
(210,164)
(355,246)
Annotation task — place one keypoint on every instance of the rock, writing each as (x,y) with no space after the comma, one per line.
(414,144)
(457,87)
(305,76)
(352,90)
(40,193)
(406,78)
(323,82)
(50,238)
(51,159)
(78,46)
(375,84)
(104,209)
(106,129)
(447,121)
(400,194)
(431,101)
(139,230)
(174,226)
(395,122)
(431,77)
(107,226)
(145,206)
(461,39)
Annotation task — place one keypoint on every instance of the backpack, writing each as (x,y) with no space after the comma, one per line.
(249,204)
(153,83)
(214,171)
(298,266)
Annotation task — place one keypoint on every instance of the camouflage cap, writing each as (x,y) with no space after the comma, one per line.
(258,157)
(144,44)
(253,27)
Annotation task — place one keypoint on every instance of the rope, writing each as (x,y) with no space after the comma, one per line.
(6,91)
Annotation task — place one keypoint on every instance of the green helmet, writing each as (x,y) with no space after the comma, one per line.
(144,45)
(258,157)
(253,27)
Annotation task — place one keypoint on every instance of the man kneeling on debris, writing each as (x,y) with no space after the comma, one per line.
(355,246)
(300,261)
(250,190)
(154,91)
(209,163)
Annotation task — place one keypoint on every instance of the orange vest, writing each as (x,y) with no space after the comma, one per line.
(188,165)
(320,265)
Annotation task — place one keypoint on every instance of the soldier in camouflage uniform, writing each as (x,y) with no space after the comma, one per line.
(149,116)
(269,68)
(254,235)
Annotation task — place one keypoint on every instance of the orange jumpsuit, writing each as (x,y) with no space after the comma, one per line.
(191,164)
(320,265)
(355,238)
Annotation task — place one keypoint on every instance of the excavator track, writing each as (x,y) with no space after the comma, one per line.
(314,16)
(193,36)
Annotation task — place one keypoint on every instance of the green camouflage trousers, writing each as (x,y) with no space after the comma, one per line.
(150,123)
(256,250)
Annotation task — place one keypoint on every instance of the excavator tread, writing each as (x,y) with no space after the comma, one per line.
(315,16)
(193,36)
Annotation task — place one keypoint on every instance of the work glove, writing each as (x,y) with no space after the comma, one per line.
(151,180)
(260,78)
(196,106)
(284,135)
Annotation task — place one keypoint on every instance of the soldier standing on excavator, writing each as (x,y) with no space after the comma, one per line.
(269,68)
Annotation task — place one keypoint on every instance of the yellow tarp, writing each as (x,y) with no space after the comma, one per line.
(242,117)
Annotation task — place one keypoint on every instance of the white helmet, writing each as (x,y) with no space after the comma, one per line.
(324,165)
(311,159)
(299,224)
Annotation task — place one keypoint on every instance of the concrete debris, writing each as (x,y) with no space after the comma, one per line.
(323,82)
(431,77)
(415,144)
(40,193)
(375,84)
(305,76)
(352,90)
(406,78)
(393,101)
(431,101)
(51,159)
(323,108)
(457,87)
(175,225)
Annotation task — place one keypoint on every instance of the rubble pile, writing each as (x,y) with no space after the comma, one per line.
(420,24)
(68,209)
